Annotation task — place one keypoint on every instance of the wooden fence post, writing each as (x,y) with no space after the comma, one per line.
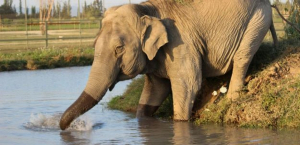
(46,32)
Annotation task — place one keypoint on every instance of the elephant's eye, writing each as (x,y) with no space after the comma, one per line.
(119,49)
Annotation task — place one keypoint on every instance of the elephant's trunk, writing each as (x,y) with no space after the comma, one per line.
(100,80)
(84,103)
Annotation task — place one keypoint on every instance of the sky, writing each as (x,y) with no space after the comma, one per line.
(74,3)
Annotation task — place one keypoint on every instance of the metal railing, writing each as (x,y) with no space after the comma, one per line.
(75,29)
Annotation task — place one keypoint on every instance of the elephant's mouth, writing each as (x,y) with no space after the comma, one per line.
(121,77)
(113,85)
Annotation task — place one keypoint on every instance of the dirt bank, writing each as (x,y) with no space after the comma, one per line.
(270,99)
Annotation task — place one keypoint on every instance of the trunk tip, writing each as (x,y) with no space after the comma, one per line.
(63,125)
(84,103)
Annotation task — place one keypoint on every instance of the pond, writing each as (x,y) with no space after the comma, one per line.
(31,103)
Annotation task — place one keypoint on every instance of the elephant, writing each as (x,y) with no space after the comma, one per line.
(175,45)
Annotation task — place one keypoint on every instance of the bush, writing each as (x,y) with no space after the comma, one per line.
(295,19)
(7,21)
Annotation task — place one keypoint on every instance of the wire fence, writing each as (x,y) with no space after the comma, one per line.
(19,35)
(49,24)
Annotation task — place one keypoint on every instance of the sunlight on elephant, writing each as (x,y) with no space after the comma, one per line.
(175,45)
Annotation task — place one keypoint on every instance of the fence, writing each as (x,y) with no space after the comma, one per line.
(19,35)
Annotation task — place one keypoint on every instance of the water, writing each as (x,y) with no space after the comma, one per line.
(31,104)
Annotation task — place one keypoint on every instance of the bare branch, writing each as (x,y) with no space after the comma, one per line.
(290,23)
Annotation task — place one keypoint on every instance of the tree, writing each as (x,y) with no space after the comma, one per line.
(295,19)
(84,7)
(27,10)
(57,12)
(15,9)
(6,10)
(69,8)
(45,14)
(94,10)
(66,11)
(288,5)
(33,11)
(20,8)
(54,10)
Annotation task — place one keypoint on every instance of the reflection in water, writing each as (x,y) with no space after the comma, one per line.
(182,133)
(168,132)
(79,137)
(76,137)
(156,131)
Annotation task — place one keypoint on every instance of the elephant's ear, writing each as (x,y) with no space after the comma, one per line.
(154,35)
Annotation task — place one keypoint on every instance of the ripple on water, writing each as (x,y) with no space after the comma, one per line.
(45,122)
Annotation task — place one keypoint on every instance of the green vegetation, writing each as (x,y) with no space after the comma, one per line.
(294,18)
(46,58)
(130,100)
(271,98)
(19,24)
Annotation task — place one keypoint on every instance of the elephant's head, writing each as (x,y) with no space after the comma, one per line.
(123,46)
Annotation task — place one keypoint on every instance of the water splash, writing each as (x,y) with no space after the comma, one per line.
(45,122)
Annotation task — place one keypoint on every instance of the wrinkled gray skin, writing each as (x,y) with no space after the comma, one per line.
(176,46)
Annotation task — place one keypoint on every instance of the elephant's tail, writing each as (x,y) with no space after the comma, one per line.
(274,35)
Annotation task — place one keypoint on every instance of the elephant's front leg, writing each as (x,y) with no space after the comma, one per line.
(186,83)
(184,92)
(155,91)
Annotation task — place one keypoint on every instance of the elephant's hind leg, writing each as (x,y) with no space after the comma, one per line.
(155,91)
(253,37)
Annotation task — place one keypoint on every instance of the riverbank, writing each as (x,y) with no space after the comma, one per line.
(46,58)
(269,100)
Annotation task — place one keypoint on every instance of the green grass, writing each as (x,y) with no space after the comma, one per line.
(19,25)
(129,100)
(22,27)
(46,58)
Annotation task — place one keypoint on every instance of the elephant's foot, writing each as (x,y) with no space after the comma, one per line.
(233,96)
(145,110)
(182,113)
(235,87)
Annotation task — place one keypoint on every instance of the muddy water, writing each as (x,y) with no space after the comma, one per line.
(31,103)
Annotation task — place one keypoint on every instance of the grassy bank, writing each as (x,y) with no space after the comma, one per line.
(271,98)
(46,58)
(129,100)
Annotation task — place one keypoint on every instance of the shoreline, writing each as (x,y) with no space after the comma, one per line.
(46,59)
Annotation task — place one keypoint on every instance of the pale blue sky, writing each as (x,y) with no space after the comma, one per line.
(108,3)
(74,3)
